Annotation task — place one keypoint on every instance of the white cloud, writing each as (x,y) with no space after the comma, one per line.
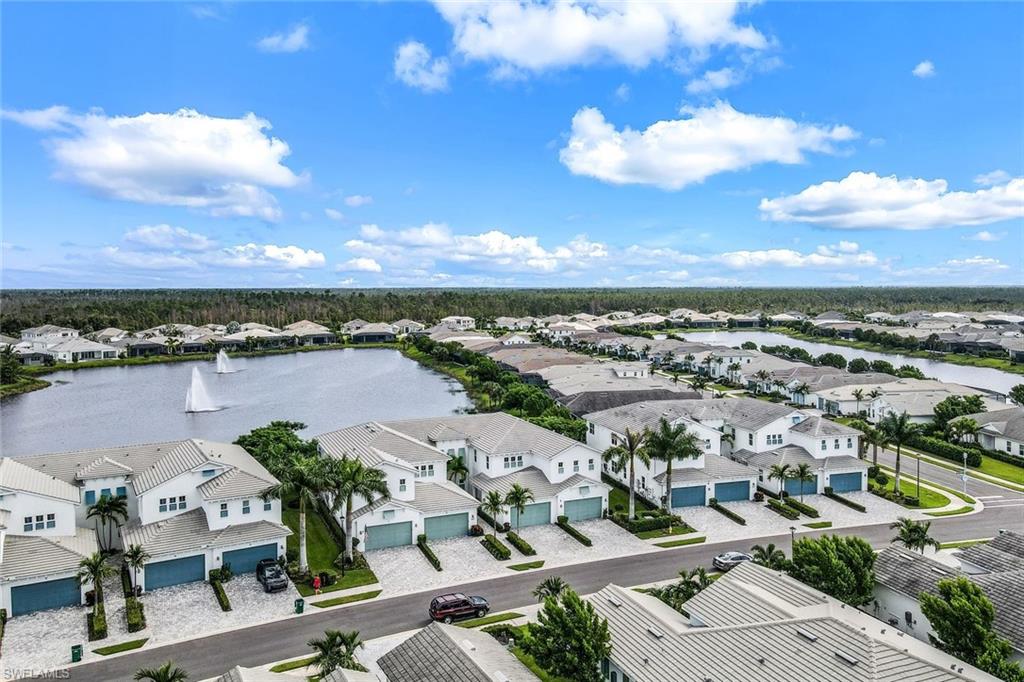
(147,260)
(642,255)
(866,201)
(269,255)
(622,93)
(218,165)
(675,153)
(334,214)
(358,200)
(360,265)
(977,262)
(996,177)
(974,267)
(415,67)
(986,236)
(714,80)
(924,70)
(845,255)
(293,40)
(168,238)
(534,36)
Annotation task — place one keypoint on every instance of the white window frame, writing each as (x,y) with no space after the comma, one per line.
(223,510)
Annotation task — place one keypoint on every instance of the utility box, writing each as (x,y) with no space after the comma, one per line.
(300,605)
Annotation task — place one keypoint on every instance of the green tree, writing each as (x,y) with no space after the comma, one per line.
(135,557)
(305,477)
(667,444)
(803,473)
(624,456)
(168,672)
(1016,394)
(914,535)
(353,479)
(336,649)
(494,507)
(899,431)
(961,616)
(769,556)
(779,472)
(569,639)
(457,469)
(111,512)
(274,444)
(95,569)
(551,586)
(11,370)
(517,498)
(955,406)
(840,566)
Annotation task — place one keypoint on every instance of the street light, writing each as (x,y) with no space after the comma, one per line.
(963,476)
(792,539)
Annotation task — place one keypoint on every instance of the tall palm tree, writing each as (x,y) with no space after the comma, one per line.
(914,535)
(135,557)
(762,376)
(733,368)
(858,395)
(803,473)
(111,512)
(667,444)
(517,498)
(626,454)
(457,469)
(336,649)
(168,672)
(94,569)
(769,556)
(306,477)
(550,587)
(699,383)
(876,438)
(779,472)
(899,430)
(494,507)
(351,479)
(688,360)
(801,389)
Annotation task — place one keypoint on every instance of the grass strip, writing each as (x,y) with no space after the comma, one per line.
(487,620)
(527,566)
(951,512)
(955,493)
(663,532)
(293,665)
(818,524)
(338,601)
(681,543)
(961,543)
(123,646)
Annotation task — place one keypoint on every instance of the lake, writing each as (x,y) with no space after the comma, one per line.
(326,390)
(978,377)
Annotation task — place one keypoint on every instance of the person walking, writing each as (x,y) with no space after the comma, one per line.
(316,584)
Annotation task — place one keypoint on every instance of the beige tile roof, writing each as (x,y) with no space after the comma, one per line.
(189,531)
(240,674)
(17,475)
(235,483)
(374,442)
(27,556)
(103,467)
(441,498)
(533,479)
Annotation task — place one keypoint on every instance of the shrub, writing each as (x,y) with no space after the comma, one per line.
(496,547)
(520,544)
(1003,456)
(758,496)
(134,614)
(97,623)
(647,523)
(802,508)
(328,578)
(563,523)
(503,632)
(940,448)
(421,542)
(476,530)
(768,493)
(911,501)
(873,471)
(882,478)
(481,514)
(650,513)
(829,493)
(783,509)
(222,596)
(126,582)
(726,512)
(620,507)
(226,574)
(291,555)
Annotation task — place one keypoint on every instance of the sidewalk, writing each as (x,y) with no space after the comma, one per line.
(952,466)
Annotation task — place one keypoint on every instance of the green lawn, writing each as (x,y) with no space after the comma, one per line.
(292,665)
(962,543)
(322,550)
(338,601)
(663,532)
(488,620)
(681,543)
(930,499)
(118,648)
(1010,473)
(951,512)
(955,493)
(618,496)
(527,566)
(819,524)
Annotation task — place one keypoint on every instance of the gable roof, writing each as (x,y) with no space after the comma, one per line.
(16,475)
(1008,423)
(534,480)
(374,443)
(746,413)
(28,556)
(235,483)
(819,426)
(441,497)
(191,532)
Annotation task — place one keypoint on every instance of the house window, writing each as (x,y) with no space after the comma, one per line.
(604,666)
(824,445)
(207,473)
(849,443)
(51,520)
(40,523)
(268,505)
(750,439)
(90,497)
(401,485)
(836,444)
(590,427)
(474,457)
(163,504)
(28,524)
(245,507)
(1008,446)
(223,510)
(388,514)
(105,492)
(707,443)
(584,490)
(590,465)
(575,466)
(774,439)
(462,452)
(615,439)
(561,468)
(122,491)
(487,462)
(513,462)
(451,452)
(796,420)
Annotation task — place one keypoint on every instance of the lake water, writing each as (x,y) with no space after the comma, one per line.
(978,377)
(325,390)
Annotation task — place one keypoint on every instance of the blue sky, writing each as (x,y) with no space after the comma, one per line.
(520,144)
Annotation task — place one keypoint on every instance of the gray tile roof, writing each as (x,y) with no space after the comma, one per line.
(1009,423)
(441,498)
(715,468)
(234,484)
(446,653)
(17,475)
(746,413)
(596,401)
(533,479)
(819,426)
(1005,552)
(910,573)
(240,674)
(189,531)
(27,556)
(374,442)
(794,455)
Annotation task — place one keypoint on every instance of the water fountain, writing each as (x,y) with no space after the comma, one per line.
(198,398)
(224,363)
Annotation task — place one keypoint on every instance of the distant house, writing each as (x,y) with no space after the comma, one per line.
(515,323)
(107,335)
(458,322)
(405,326)
(46,336)
(307,333)
(260,338)
(134,347)
(453,654)
(374,332)
(353,325)
(514,339)
(79,350)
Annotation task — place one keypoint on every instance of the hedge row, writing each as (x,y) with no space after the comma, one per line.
(97,622)
(126,582)
(783,509)
(134,614)
(895,497)
(496,547)
(802,508)
(655,522)
(520,544)
(831,494)
(770,493)
(222,596)
(563,523)
(1003,456)
(421,542)
(3,625)
(713,503)
(940,448)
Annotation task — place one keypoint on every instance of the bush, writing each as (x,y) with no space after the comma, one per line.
(873,471)
(650,513)
(134,614)
(940,448)
(328,578)
(882,478)
(520,544)
(476,530)
(647,523)
(831,494)
(222,596)
(768,493)
(563,523)
(421,542)
(291,555)
(503,632)
(911,501)
(802,508)
(97,623)
(758,496)
(126,582)
(783,509)
(481,514)
(1003,456)
(726,512)
(496,547)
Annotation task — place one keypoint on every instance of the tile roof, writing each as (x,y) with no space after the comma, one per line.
(235,483)
(189,531)
(794,455)
(240,674)
(103,467)
(746,413)
(533,479)
(1008,423)
(819,426)
(1005,552)
(374,443)
(27,556)
(716,467)
(441,498)
(18,475)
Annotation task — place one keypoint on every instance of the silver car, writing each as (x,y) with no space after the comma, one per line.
(727,560)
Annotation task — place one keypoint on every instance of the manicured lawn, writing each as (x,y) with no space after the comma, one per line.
(1004,471)
(338,601)
(663,532)
(955,493)
(488,620)
(527,566)
(819,524)
(681,543)
(292,665)
(961,543)
(930,499)
(618,496)
(322,550)
(118,648)
(951,512)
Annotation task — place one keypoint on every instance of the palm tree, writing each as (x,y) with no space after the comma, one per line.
(135,557)
(899,430)
(699,383)
(914,535)
(858,395)
(762,377)
(625,455)
(457,469)
(517,498)
(336,649)
(769,556)
(667,444)
(354,478)
(876,438)
(306,477)
(733,368)
(698,577)
(801,389)
(93,569)
(168,672)
(802,473)
(688,359)
(779,472)
(550,587)
(494,507)
(111,511)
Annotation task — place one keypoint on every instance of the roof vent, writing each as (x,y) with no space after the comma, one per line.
(847,658)
(615,601)
(936,569)
(807,635)
(655,631)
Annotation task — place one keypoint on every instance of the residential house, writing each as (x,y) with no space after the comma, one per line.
(353,325)
(45,336)
(527,360)
(515,323)
(405,326)
(598,386)
(308,333)
(255,337)
(374,332)
(448,653)
(458,322)
(109,334)
(918,398)
(1001,430)
(79,349)
(514,339)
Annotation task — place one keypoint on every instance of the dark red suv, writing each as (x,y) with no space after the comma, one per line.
(449,607)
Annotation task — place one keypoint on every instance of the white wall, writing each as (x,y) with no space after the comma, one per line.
(5,587)
(111,483)
(22,504)
(848,445)
(235,512)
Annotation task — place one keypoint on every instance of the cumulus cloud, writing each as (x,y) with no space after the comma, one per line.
(867,201)
(924,69)
(218,165)
(415,67)
(334,214)
(986,236)
(360,265)
(622,93)
(269,255)
(295,39)
(714,80)
(168,238)
(972,266)
(355,200)
(996,177)
(843,255)
(672,154)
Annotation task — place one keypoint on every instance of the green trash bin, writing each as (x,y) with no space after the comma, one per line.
(76,653)
(300,605)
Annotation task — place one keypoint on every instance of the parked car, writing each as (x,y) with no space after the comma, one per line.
(727,560)
(271,575)
(449,607)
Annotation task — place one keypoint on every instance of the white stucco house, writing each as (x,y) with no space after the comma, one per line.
(1001,430)
(458,322)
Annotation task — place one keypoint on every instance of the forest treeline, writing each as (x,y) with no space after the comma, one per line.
(135,309)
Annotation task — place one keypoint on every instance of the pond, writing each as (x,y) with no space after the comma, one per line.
(326,390)
(978,377)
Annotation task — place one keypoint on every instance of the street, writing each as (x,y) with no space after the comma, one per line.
(990,494)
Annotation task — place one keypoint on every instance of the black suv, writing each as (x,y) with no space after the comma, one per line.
(271,575)
(449,607)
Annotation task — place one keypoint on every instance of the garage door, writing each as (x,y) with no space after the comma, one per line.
(175,572)
(692,496)
(51,594)
(448,526)
(845,483)
(533,515)
(388,535)
(582,510)
(732,492)
(245,560)
(810,486)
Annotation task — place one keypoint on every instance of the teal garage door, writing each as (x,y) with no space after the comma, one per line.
(448,526)
(810,486)
(845,483)
(245,560)
(52,594)
(583,510)
(692,496)
(533,515)
(732,492)
(175,572)
(388,535)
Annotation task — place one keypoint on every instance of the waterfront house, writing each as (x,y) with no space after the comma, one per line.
(405,326)
(598,386)
(306,333)
(374,332)
(78,349)
(45,336)
(458,322)
(353,325)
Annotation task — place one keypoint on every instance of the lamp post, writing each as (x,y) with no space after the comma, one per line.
(963,476)
(792,540)
(919,478)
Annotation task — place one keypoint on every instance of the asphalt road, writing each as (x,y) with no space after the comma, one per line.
(262,644)
(992,495)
